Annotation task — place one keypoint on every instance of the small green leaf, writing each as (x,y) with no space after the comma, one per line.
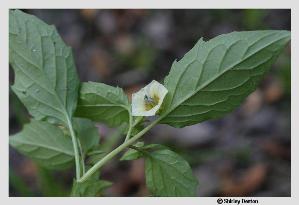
(44,143)
(96,150)
(89,188)
(133,154)
(94,158)
(214,77)
(45,76)
(168,174)
(112,140)
(87,133)
(103,103)
(96,154)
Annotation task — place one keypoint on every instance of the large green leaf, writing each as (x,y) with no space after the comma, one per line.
(45,76)
(87,133)
(168,174)
(44,143)
(214,77)
(103,103)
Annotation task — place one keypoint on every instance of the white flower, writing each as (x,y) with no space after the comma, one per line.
(148,100)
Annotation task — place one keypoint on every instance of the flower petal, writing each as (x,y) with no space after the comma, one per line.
(138,103)
(154,89)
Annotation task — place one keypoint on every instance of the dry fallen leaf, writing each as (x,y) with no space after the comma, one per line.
(273,91)
(276,149)
(246,184)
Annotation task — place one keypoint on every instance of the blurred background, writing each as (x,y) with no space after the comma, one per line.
(246,153)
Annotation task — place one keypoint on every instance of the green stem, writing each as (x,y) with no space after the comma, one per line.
(75,147)
(130,128)
(82,156)
(137,120)
(113,153)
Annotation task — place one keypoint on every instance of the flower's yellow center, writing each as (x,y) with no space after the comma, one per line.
(150,102)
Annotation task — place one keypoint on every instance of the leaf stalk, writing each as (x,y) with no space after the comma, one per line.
(75,146)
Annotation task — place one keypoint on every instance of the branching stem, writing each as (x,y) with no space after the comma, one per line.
(113,153)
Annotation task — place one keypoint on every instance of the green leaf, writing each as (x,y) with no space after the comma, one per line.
(110,143)
(45,76)
(89,188)
(48,185)
(133,154)
(87,133)
(44,143)
(96,154)
(214,77)
(168,174)
(103,103)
